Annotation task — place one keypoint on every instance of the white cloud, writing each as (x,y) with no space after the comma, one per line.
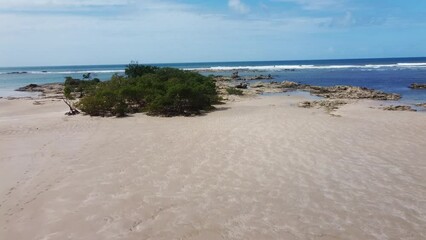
(316,4)
(7,4)
(238,6)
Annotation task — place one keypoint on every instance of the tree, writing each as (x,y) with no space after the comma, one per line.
(157,91)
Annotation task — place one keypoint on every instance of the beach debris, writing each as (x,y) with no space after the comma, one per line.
(328,105)
(73,110)
(399,108)
(418,86)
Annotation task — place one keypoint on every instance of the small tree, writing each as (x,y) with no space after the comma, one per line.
(157,91)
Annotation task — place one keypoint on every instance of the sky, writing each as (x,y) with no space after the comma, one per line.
(79,32)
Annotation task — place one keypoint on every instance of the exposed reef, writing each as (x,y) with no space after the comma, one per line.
(418,86)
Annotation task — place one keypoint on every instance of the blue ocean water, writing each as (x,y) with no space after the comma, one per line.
(389,75)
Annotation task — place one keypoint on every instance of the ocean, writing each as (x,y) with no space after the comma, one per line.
(390,74)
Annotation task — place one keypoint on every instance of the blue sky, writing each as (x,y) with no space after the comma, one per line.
(68,32)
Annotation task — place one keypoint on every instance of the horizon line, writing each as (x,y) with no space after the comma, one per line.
(201,62)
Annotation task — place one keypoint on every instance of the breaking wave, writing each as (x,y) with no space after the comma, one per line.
(301,67)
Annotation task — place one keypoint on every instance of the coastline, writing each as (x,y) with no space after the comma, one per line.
(258,168)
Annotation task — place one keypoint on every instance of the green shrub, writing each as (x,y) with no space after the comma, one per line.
(82,87)
(157,91)
(234,91)
(136,70)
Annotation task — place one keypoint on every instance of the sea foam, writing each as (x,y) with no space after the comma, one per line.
(301,67)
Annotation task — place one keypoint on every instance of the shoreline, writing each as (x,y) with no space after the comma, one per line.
(252,87)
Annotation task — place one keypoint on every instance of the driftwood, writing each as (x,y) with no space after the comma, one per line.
(73,110)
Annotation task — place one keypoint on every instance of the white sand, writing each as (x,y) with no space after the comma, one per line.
(262,169)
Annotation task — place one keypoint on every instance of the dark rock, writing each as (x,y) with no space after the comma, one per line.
(329,105)
(418,86)
(241,86)
(399,108)
(235,75)
(30,88)
(17,72)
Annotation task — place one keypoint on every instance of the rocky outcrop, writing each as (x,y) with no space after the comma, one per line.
(334,92)
(418,86)
(17,72)
(349,92)
(329,105)
(399,108)
(421,105)
(50,90)
(289,84)
(30,88)
(258,85)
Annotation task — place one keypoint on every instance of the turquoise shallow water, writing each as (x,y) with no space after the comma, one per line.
(390,75)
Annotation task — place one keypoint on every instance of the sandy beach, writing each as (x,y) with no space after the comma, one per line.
(258,168)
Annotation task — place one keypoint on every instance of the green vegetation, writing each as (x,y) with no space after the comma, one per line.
(77,86)
(234,91)
(157,91)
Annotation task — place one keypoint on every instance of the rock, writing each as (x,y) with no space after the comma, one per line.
(418,86)
(329,105)
(306,104)
(334,92)
(17,72)
(30,88)
(38,103)
(235,75)
(257,85)
(50,89)
(241,86)
(222,79)
(288,84)
(267,87)
(399,108)
(421,105)
(349,92)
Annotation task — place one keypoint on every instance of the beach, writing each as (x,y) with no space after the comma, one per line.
(256,168)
